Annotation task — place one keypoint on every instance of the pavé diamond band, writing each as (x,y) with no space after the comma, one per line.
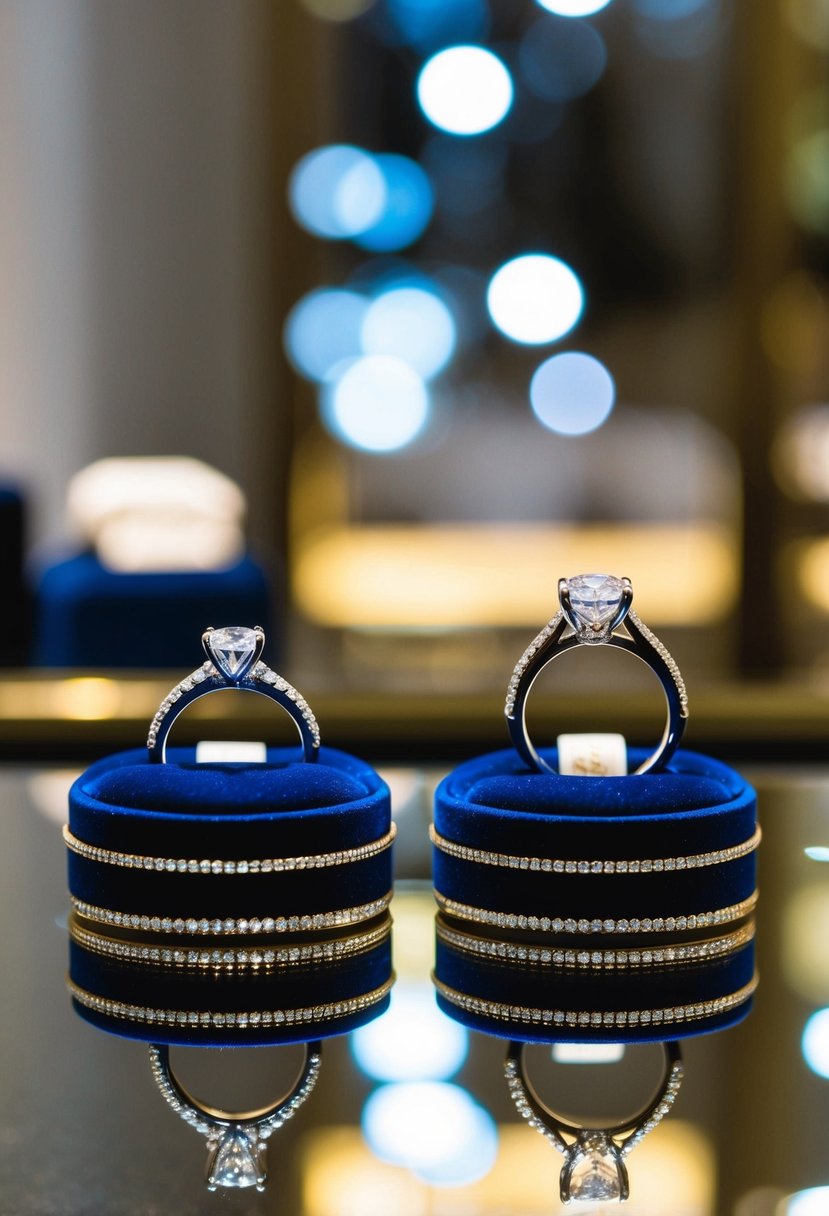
(233,661)
(593,607)
(594,1167)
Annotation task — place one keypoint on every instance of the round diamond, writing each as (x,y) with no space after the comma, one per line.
(232,649)
(596,1175)
(595,599)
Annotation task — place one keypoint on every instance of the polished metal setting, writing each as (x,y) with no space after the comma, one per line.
(233,661)
(595,623)
(236,1142)
(594,1166)
(550,865)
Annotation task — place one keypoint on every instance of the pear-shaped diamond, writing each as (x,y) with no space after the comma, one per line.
(232,650)
(597,1173)
(595,599)
(236,1161)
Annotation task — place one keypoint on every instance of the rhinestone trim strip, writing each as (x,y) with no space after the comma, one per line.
(518,1094)
(239,1021)
(263,1128)
(244,925)
(571,1017)
(548,865)
(260,671)
(557,866)
(230,958)
(256,865)
(647,956)
(550,924)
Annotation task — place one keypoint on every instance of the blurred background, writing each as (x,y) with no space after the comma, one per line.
(462,297)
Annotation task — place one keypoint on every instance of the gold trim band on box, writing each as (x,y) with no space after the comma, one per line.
(227,957)
(632,924)
(549,865)
(668,1015)
(256,865)
(243,925)
(246,1020)
(555,956)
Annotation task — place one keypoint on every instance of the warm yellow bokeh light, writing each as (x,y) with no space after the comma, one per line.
(813,572)
(804,959)
(86,698)
(481,575)
(340,1177)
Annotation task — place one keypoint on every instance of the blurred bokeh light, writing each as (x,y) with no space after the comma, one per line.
(572,393)
(574,8)
(407,207)
(411,324)
(322,329)
(535,299)
(434,1129)
(337,191)
(429,24)
(560,59)
(810,20)
(412,1041)
(465,90)
(815,1044)
(337,10)
(813,1202)
(376,403)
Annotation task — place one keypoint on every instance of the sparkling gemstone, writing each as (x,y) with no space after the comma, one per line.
(232,649)
(235,1162)
(595,1176)
(595,599)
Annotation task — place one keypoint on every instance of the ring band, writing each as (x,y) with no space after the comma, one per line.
(233,661)
(594,1167)
(236,1142)
(593,607)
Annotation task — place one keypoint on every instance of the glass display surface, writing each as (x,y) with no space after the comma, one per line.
(411,1114)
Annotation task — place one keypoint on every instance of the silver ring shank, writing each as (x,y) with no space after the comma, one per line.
(650,652)
(181,697)
(628,1129)
(195,1112)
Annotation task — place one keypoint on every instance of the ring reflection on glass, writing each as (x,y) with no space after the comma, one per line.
(236,1142)
(593,607)
(594,1166)
(233,661)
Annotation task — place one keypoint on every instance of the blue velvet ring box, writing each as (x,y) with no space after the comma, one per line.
(221,903)
(615,908)
(90,616)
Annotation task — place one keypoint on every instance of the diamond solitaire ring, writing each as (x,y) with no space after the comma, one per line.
(593,607)
(594,1159)
(233,661)
(236,1142)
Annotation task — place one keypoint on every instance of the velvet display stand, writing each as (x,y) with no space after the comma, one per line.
(89,616)
(15,608)
(595,908)
(218,904)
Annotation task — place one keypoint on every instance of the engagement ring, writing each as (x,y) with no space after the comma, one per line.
(593,607)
